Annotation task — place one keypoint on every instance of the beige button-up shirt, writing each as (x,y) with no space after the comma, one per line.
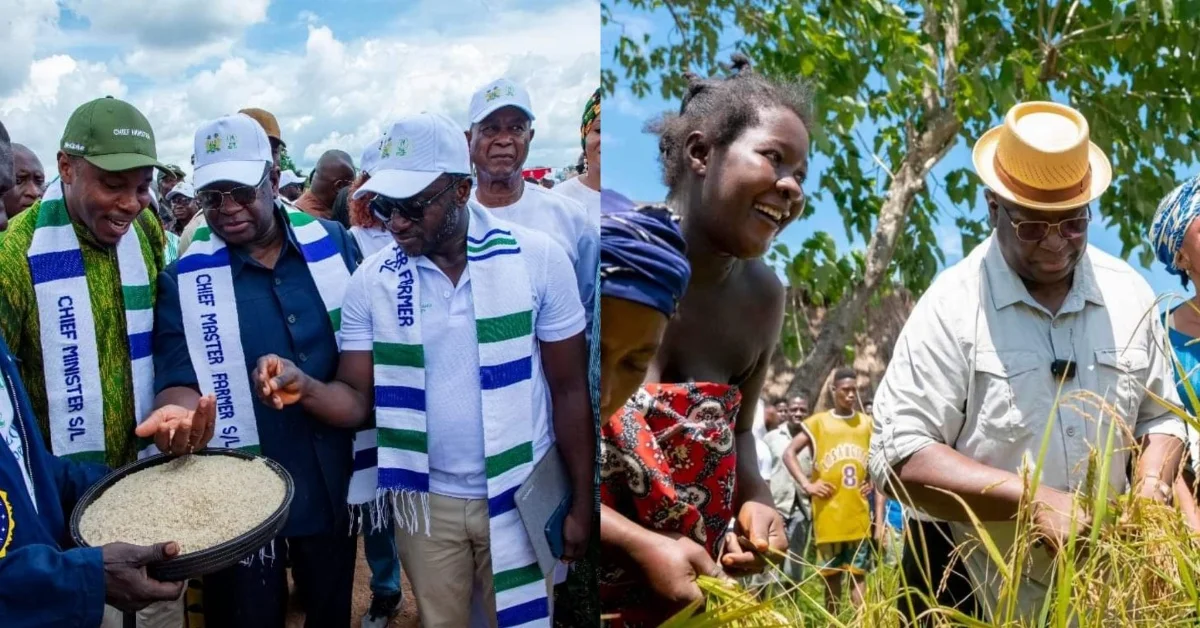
(972,369)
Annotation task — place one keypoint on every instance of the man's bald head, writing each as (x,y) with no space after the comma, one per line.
(334,171)
(29,181)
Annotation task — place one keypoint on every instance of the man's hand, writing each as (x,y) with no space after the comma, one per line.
(671,563)
(763,527)
(126,585)
(278,382)
(577,527)
(820,488)
(1055,514)
(177,430)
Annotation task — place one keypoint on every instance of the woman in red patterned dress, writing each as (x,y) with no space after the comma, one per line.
(678,459)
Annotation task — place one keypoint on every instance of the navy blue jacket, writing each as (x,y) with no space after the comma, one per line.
(43,582)
(280,312)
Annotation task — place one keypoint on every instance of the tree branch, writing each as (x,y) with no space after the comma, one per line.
(950,54)
(1091,29)
(929,24)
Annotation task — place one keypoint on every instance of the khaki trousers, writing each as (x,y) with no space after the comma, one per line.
(445,567)
(160,615)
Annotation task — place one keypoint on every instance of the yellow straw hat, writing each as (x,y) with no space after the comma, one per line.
(1041,158)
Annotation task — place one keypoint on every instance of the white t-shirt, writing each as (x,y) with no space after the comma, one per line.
(371,241)
(12,436)
(566,222)
(575,190)
(453,408)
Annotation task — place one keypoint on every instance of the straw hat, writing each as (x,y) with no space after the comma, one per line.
(1041,158)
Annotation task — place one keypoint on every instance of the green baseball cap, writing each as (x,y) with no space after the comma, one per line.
(112,135)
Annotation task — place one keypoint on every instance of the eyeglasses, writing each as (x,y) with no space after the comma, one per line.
(243,195)
(180,200)
(410,210)
(1038,230)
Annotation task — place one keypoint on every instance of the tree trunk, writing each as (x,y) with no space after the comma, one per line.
(838,326)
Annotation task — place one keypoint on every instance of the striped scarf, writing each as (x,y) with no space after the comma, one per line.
(68,331)
(209,307)
(500,286)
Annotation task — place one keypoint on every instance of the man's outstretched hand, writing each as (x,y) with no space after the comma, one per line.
(177,430)
(278,381)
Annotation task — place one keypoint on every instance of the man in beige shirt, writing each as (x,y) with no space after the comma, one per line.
(972,383)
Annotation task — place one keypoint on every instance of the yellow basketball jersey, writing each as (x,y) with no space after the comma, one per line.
(840,458)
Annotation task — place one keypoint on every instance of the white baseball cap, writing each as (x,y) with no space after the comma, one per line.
(414,152)
(233,148)
(370,154)
(287,177)
(183,188)
(497,94)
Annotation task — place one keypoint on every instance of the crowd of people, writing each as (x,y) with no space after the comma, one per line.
(407,336)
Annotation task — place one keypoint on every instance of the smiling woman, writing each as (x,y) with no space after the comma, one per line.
(734,159)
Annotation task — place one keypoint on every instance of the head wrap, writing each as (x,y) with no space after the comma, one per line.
(591,111)
(1171,221)
(643,258)
(612,202)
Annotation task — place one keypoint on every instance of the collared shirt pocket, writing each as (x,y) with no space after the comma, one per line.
(1120,377)
(1002,380)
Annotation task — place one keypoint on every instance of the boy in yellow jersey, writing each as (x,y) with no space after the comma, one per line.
(839,488)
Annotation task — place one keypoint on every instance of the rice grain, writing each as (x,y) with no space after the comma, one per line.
(197,501)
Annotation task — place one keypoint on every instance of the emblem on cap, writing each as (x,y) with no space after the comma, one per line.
(385,150)
(401,147)
(212,143)
(231,143)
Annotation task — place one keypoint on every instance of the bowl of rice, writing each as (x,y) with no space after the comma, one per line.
(219,505)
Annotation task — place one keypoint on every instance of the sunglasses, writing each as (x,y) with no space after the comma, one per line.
(408,209)
(243,195)
(1038,230)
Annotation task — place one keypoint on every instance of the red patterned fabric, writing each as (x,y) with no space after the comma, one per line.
(668,462)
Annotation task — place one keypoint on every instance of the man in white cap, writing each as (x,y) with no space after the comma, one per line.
(291,185)
(261,277)
(500,133)
(466,338)
(182,201)
(366,227)
(976,372)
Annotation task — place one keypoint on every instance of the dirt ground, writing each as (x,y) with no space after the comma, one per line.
(362,600)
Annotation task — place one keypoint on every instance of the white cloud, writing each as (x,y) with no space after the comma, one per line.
(337,90)
(168,24)
(23,23)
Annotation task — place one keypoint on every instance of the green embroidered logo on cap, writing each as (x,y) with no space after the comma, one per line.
(231,143)
(385,150)
(401,147)
(492,94)
(212,143)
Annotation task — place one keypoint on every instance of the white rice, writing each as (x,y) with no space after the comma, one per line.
(196,501)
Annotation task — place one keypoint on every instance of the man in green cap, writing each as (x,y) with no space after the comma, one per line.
(77,291)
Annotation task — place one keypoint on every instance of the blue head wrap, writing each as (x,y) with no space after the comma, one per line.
(1171,221)
(643,258)
(612,201)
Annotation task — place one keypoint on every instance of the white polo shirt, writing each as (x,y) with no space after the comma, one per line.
(453,408)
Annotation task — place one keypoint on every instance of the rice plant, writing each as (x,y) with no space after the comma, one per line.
(1137,564)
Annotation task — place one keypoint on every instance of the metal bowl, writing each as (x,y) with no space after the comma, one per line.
(216,558)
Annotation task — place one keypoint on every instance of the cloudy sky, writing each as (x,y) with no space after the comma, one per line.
(335,72)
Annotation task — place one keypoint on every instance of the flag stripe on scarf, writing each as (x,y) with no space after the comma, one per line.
(503,502)
(140,345)
(366,458)
(504,461)
(319,250)
(491,243)
(408,440)
(396,354)
(335,318)
(522,613)
(503,328)
(55,265)
(488,235)
(193,262)
(507,374)
(518,577)
(138,297)
(403,397)
(96,457)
